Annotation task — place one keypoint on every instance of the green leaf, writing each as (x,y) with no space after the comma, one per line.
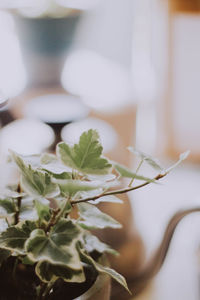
(93,243)
(32,160)
(153,162)
(101,269)
(7,206)
(72,187)
(15,237)
(125,172)
(51,272)
(85,156)
(4,254)
(36,183)
(43,211)
(26,261)
(58,247)
(27,209)
(8,193)
(53,166)
(62,176)
(94,218)
(182,157)
(48,158)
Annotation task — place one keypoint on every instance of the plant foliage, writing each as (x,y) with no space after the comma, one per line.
(41,232)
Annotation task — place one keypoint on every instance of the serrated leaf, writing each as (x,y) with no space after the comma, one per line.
(43,211)
(86,155)
(4,254)
(51,272)
(58,247)
(105,270)
(15,237)
(182,157)
(72,187)
(153,162)
(36,183)
(94,218)
(125,172)
(92,243)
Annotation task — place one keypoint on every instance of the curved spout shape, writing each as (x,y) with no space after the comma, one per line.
(151,268)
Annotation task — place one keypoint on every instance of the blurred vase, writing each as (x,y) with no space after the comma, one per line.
(44,43)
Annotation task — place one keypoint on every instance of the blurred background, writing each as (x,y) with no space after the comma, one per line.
(131,70)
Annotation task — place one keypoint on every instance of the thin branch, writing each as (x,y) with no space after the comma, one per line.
(19,201)
(52,220)
(140,164)
(118,192)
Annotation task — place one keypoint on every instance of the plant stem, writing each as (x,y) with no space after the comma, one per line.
(117,192)
(57,214)
(141,162)
(63,209)
(19,200)
(52,220)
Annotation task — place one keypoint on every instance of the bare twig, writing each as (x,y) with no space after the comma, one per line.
(118,192)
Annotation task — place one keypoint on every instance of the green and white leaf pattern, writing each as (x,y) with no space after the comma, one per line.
(51,164)
(7,207)
(51,272)
(34,182)
(102,269)
(15,237)
(58,247)
(48,239)
(71,187)
(92,217)
(85,156)
(92,243)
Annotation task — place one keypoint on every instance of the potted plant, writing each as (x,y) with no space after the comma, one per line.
(47,247)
